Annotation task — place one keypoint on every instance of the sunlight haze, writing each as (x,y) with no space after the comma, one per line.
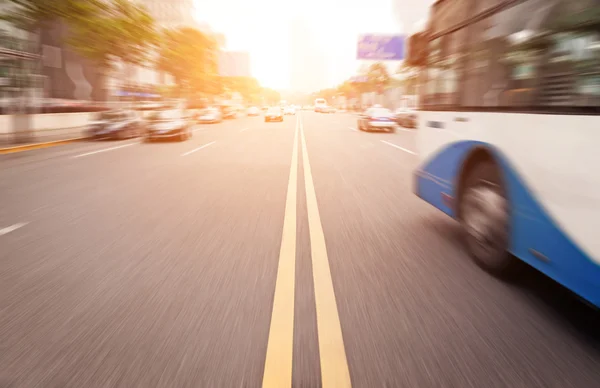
(265,28)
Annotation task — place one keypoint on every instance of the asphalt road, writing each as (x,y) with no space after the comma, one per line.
(216,263)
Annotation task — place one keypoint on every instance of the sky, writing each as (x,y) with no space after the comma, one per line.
(263,28)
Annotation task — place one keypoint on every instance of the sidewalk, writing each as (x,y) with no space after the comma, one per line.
(42,138)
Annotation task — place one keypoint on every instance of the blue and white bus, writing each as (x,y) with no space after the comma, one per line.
(509,132)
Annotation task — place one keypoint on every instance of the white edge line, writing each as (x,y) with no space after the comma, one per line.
(104,150)
(400,148)
(12,228)
(352,128)
(198,149)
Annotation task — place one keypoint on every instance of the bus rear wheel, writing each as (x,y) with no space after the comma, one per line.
(484,215)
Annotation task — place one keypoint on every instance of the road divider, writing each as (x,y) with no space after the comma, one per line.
(198,149)
(37,146)
(334,365)
(398,147)
(280,346)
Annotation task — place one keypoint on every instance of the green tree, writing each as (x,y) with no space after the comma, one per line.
(118,29)
(191,58)
(328,94)
(248,87)
(348,89)
(378,77)
(409,75)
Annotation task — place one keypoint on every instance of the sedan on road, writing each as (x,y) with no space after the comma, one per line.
(274,114)
(117,124)
(406,117)
(228,112)
(377,119)
(169,124)
(210,115)
(289,110)
(253,111)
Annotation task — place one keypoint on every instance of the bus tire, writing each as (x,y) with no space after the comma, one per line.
(484,215)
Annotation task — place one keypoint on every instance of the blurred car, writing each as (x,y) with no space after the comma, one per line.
(289,110)
(253,111)
(228,112)
(210,115)
(274,114)
(116,124)
(406,117)
(169,124)
(377,118)
(328,109)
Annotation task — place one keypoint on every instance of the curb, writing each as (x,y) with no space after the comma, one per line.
(36,146)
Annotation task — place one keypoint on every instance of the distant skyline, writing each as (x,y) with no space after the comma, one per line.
(278,55)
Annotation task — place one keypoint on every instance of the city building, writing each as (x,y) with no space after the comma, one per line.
(19,64)
(67,75)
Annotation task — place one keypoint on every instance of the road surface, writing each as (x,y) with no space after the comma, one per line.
(261,254)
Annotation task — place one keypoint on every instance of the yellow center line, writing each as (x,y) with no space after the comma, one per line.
(334,366)
(280,346)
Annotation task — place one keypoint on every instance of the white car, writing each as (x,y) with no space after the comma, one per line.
(289,110)
(210,115)
(377,118)
(253,111)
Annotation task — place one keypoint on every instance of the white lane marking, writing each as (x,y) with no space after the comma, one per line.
(400,148)
(244,129)
(405,130)
(105,150)
(198,149)
(12,228)
(354,129)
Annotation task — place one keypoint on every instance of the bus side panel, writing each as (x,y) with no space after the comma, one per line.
(536,238)
(435,182)
(539,240)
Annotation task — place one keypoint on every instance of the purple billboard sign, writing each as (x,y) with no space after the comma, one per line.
(381,47)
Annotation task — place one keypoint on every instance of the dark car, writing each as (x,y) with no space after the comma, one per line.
(116,124)
(228,112)
(406,117)
(274,114)
(173,123)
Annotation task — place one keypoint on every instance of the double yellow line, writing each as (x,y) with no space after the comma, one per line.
(278,364)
